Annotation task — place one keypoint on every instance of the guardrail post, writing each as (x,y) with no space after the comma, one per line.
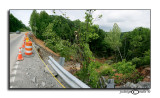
(110,83)
(61,61)
(71,80)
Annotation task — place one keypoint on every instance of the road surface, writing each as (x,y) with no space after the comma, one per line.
(31,72)
(16,41)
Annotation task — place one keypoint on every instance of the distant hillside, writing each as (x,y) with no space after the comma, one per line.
(15,24)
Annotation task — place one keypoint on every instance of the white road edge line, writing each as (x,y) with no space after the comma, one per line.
(12,79)
(14,72)
(16,66)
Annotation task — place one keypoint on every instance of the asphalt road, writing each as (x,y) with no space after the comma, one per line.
(31,72)
(16,41)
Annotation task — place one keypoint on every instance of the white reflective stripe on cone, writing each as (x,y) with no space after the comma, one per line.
(28,51)
(28,46)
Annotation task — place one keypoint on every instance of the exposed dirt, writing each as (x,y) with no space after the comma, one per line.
(41,43)
(70,66)
(73,66)
(145,72)
(103,60)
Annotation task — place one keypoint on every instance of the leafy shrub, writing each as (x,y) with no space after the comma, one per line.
(97,64)
(66,52)
(59,46)
(50,46)
(76,52)
(141,61)
(137,61)
(128,71)
(133,77)
(124,67)
(82,75)
(93,78)
(89,75)
(87,51)
(93,75)
(146,59)
(107,71)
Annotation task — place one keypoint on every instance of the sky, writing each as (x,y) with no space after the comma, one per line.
(127,20)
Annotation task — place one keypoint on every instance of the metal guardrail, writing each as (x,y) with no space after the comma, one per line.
(71,80)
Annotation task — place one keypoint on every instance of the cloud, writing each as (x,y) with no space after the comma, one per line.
(126,19)
(23,15)
(73,14)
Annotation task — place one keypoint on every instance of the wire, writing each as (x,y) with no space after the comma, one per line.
(49,69)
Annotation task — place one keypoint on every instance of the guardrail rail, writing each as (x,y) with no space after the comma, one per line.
(71,80)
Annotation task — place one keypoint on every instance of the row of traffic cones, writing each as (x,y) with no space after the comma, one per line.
(20,57)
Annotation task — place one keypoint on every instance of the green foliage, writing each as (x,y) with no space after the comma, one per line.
(87,51)
(50,46)
(128,73)
(15,24)
(124,67)
(93,75)
(49,33)
(79,41)
(34,23)
(89,75)
(142,61)
(107,71)
(136,61)
(135,43)
(94,78)
(146,58)
(55,43)
(113,39)
(89,18)
(82,75)
(97,64)
(66,50)
(63,47)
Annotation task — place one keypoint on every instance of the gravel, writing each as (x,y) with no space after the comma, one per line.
(37,85)
(32,73)
(43,83)
(138,85)
(34,80)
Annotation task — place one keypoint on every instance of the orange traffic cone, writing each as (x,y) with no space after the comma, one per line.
(20,58)
(23,46)
(27,39)
(26,34)
(24,38)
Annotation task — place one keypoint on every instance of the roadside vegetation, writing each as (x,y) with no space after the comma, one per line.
(15,24)
(83,42)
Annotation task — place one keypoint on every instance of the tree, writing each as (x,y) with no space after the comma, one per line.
(136,42)
(44,19)
(88,21)
(34,21)
(15,24)
(48,31)
(113,38)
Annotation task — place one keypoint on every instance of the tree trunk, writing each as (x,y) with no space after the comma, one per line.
(119,53)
